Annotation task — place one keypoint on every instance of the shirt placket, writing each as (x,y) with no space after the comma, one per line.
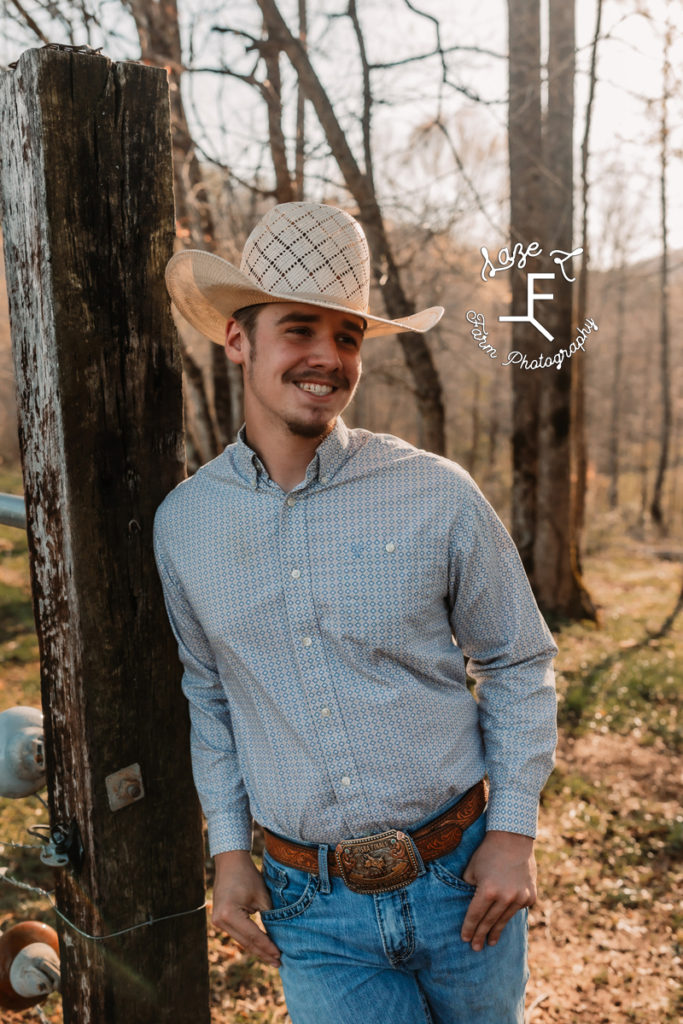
(298,565)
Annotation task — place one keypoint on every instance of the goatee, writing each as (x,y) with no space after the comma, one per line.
(310,430)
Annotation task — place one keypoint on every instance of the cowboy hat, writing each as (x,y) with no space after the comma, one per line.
(299,252)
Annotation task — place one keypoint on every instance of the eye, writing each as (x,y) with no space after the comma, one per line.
(348,340)
(301,330)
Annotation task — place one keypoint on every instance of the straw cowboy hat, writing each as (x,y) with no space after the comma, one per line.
(299,252)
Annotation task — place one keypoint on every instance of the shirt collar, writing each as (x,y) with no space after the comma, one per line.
(329,456)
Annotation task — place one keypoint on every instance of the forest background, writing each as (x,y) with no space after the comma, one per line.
(401,113)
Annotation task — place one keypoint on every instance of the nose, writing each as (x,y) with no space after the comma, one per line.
(323,352)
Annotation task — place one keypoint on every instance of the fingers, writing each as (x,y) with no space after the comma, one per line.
(496,930)
(474,918)
(247,933)
(487,916)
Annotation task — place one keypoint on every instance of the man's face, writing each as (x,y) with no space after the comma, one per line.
(301,366)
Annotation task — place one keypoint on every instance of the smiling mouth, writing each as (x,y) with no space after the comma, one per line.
(315,389)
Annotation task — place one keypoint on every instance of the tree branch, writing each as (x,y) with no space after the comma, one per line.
(437,30)
(468,181)
(28,20)
(300,148)
(235,32)
(438,52)
(271,90)
(367,94)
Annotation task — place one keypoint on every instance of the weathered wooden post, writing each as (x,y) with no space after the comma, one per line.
(88,226)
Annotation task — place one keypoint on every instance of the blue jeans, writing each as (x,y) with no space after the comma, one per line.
(350,958)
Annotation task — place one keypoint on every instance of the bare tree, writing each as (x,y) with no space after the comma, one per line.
(541,182)
(300,152)
(160,45)
(578,388)
(526,225)
(666,424)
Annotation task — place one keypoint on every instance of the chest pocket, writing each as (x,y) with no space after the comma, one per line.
(373,587)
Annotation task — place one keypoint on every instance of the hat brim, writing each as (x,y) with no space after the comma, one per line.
(207,291)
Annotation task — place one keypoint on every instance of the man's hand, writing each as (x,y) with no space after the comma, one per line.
(238,891)
(503,869)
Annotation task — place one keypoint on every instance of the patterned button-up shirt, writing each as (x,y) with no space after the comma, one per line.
(323,634)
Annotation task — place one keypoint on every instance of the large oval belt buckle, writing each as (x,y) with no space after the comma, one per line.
(377,863)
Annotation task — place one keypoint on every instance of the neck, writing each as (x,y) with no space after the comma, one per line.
(285,455)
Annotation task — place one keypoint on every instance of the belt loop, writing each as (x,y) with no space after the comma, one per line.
(421,869)
(323,872)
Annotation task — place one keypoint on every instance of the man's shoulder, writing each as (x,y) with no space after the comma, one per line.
(197,491)
(388,450)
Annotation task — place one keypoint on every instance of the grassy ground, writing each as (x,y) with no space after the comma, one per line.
(606,933)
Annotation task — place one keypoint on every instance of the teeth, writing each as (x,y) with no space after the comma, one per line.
(316,389)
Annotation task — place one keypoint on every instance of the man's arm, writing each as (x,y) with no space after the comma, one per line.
(498,627)
(215,765)
(238,889)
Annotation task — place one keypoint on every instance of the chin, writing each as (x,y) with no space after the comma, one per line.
(311,429)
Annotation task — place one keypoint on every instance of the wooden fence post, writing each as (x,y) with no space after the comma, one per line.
(88,226)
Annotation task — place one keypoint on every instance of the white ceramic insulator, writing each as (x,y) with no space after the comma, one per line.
(35,971)
(22,769)
(21,754)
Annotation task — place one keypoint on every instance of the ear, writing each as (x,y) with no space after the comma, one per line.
(236,342)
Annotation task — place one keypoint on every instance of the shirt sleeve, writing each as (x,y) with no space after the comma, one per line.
(497,625)
(215,765)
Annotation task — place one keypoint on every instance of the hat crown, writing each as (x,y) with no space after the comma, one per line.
(309,249)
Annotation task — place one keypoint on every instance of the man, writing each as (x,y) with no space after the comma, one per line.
(325,586)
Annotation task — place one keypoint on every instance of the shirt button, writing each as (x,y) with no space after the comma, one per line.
(346,781)
(390,546)
(307,641)
(325,712)
(323,479)
(296,573)
(291,502)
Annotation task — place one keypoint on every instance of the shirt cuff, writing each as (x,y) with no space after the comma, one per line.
(512,810)
(225,833)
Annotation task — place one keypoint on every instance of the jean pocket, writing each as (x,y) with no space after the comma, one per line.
(291,891)
(451,866)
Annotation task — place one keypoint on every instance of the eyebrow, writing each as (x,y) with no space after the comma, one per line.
(312,318)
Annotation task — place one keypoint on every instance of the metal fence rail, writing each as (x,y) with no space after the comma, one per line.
(12,510)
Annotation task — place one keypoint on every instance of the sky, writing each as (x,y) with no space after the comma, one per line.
(624,147)
(414,168)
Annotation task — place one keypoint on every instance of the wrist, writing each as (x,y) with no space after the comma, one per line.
(229,860)
(510,838)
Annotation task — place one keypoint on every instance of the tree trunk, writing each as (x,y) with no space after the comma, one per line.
(88,227)
(300,152)
(160,45)
(578,369)
(666,422)
(556,578)
(284,192)
(541,168)
(204,442)
(526,225)
(615,419)
(476,427)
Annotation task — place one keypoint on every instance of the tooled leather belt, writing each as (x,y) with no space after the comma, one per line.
(385,861)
